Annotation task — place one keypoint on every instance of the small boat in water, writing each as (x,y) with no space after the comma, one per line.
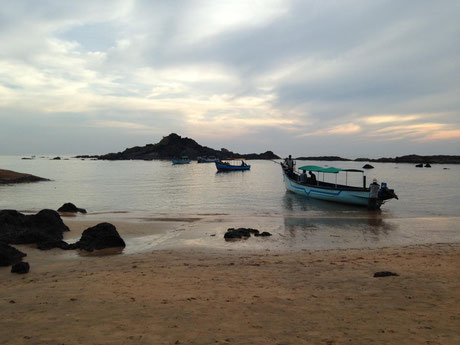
(182,160)
(210,159)
(313,188)
(227,166)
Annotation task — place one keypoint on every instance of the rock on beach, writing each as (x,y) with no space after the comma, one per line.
(17,228)
(101,236)
(239,233)
(20,268)
(71,208)
(9,255)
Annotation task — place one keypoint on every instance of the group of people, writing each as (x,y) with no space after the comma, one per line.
(302,178)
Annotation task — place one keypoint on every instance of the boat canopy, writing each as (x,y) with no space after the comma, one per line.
(330,170)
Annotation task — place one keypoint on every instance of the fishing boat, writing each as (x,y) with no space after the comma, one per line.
(227,166)
(182,160)
(210,159)
(313,188)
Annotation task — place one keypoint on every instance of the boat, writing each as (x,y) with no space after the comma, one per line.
(227,166)
(344,194)
(210,159)
(182,160)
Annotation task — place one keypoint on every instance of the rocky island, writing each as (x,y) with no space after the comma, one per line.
(414,159)
(174,145)
(10,177)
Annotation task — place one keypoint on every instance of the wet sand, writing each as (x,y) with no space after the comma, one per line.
(205,296)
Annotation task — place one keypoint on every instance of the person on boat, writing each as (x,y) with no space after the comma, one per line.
(374,188)
(303,177)
(312,178)
(243,164)
(290,163)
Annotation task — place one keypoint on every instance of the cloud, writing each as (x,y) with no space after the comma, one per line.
(443,135)
(342,129)
(353,71)
(380,119)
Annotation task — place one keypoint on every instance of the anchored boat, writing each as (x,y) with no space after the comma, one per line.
(182,160)
(227,166)
(210,159)
(313,188)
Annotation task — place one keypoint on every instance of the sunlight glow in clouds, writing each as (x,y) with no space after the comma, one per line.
(211,18)
(375,120)
(279,74)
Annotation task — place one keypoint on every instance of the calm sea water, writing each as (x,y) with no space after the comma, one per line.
(428,207)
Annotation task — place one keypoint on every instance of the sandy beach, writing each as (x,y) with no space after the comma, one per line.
(203,296)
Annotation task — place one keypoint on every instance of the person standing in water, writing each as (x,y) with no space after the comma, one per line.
(374,188)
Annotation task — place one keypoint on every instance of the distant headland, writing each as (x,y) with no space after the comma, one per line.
(10,177)
(414,159)
(174,145)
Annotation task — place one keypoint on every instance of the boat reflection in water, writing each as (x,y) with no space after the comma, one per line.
(317,224)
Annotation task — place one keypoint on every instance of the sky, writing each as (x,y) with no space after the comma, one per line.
(353,78)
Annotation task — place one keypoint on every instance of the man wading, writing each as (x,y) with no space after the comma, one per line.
(374,188)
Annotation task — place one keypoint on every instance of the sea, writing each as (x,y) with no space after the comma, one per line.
(202,204)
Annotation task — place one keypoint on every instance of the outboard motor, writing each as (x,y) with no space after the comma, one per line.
(385,193)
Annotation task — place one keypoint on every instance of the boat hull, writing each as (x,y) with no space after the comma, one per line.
(227,167)
(351,197)
(174,161)
(207,160)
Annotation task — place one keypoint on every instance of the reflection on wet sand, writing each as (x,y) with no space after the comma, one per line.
(319,221)
(294,202)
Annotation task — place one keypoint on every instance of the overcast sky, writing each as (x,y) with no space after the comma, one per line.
(350,78)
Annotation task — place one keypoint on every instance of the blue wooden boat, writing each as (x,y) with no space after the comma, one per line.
(226,166)
(332,191)
(182,160)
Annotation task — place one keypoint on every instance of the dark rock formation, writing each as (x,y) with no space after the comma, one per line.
(232,235)
(368,166)
(10,177)
(385,274)
(69,207)
(56,159)
(419,165)
(427,165)
(20,268)
(238,233)
(46,230)
(175,146)
(51,244)
(264,234)
(17,228)
(86,156)
(103,235)
(9,255)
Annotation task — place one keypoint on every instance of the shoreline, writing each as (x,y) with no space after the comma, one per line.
(144,233)
(190,296)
